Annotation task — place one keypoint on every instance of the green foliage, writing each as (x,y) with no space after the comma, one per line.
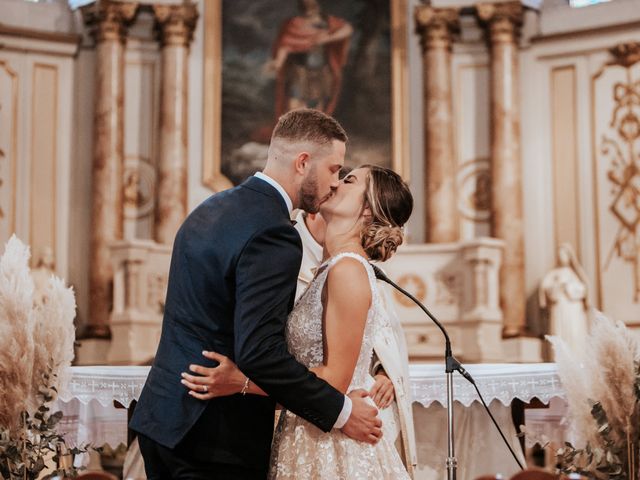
(615,459)
(23,450)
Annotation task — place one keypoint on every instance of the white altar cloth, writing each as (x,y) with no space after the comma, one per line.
(91,416)
(478,446)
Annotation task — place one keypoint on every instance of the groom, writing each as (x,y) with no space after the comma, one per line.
(232,282)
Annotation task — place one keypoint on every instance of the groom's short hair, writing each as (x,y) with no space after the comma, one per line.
(307,124)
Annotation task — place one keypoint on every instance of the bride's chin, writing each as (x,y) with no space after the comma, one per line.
(323,210)
(326,209)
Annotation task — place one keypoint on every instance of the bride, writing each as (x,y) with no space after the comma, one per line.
(331,330)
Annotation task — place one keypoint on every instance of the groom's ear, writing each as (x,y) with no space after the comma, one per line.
(301,162)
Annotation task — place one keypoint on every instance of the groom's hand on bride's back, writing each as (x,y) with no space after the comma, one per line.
(363,424)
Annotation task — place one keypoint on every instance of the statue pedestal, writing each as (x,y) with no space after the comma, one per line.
(140,270)
(522,350)
(92,351)
(459,284)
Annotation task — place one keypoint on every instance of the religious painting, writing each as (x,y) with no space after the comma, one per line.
(267,57)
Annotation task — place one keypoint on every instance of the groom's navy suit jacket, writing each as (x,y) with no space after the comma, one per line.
(231,286)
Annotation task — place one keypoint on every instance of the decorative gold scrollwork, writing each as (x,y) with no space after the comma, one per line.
(620,151)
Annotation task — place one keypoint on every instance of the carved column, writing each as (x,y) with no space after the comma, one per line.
(108,21)
(435,26)
(175,25)
(502,21)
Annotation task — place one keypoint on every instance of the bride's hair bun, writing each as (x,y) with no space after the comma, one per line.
(381,241)
(390,202)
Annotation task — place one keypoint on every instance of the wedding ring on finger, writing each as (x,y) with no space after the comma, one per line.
(205,389)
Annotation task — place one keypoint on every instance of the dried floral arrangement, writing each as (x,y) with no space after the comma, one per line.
(602,388)
(36,349)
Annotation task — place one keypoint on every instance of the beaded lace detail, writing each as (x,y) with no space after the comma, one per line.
(300,449)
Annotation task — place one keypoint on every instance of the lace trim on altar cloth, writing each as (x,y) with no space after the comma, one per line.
(105,384)
(502,382)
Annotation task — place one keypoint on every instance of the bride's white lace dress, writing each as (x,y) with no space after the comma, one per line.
(300,449)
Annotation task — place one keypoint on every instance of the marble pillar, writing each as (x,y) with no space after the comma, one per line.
(502,22)
(435,26)
(175,25)
(108,21)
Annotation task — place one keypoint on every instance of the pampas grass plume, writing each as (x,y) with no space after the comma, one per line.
(16,333)
(604,372)
(35,339)
(613,352)
(576,383)
(54,334)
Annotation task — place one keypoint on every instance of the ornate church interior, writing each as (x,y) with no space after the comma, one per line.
(515,123)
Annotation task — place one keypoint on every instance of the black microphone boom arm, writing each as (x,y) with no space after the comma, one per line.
(451,365)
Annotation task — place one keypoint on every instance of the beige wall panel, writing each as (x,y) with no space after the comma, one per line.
(43,149)
(564,159)
(9,93)
(472,123)
(142,90)
(35,112)
(616,143)
(141,78)
(587,53)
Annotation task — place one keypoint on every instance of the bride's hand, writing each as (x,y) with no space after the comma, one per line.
(382,391)
(223,380)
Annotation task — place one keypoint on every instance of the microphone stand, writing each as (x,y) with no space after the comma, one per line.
(451,365)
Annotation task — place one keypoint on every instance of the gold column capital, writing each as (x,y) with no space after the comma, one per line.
(502,19)
(626,54)
(108,19)
(175,23)
(436,26)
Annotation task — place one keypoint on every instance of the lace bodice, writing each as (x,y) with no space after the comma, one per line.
(304,327)
(301,451)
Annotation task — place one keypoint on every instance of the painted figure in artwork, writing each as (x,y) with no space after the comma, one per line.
(308,56)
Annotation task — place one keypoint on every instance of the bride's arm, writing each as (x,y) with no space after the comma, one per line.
(348,298)
(222,380)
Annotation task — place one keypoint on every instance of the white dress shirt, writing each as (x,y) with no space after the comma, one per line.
(346,408)
(312,253)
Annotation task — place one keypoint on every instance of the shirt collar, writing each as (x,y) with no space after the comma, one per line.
(309,243)
(278,187)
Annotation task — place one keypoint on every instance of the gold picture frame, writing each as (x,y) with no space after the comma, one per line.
(212,176)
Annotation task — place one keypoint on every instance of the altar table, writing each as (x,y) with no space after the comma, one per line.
(90,414)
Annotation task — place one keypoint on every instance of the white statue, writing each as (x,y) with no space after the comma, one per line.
(564,295)
(45,267)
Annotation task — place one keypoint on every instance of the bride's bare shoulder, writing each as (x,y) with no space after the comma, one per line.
(348,279)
